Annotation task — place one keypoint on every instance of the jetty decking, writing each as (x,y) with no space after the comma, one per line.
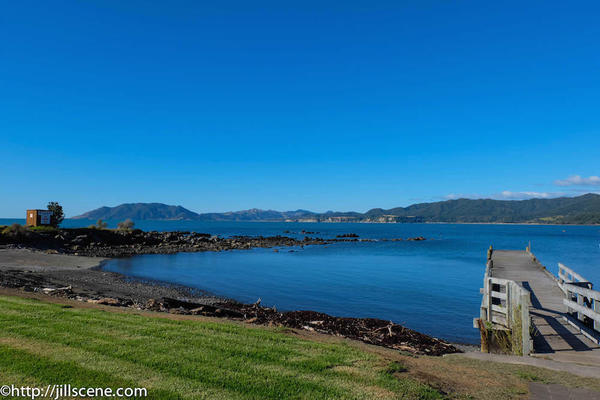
(556,333)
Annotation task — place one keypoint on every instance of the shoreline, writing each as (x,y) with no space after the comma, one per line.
(28,270)
(22,220)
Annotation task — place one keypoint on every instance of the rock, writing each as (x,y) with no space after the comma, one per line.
(108,301)
(110,243)
(80,239)
(153,305)
(179,311)
(167,302)
(58,291)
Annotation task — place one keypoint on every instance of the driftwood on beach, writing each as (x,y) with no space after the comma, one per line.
(369,330)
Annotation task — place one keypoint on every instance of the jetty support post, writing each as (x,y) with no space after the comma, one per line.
(526,323)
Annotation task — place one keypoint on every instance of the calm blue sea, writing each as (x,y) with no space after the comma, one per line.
(431,286)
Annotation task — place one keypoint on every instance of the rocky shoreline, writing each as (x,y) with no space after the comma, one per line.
(116,290)
(111,243)
(61,263)
(115,243)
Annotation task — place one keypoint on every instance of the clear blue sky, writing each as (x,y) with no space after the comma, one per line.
(286,105)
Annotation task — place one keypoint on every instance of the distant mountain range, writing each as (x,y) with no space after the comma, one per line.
(583,209)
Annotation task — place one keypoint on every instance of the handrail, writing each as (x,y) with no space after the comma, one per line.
(575,275)
(589,293)
(580,298)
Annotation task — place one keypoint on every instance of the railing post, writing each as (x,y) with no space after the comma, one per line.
(597,309)
(525,324)
(483,311)
(509,321)
(489,299)
(580,316)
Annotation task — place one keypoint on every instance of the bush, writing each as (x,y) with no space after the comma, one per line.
(100,224)
(126,225)
(15,230)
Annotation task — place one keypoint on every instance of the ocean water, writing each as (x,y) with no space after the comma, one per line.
(431,286)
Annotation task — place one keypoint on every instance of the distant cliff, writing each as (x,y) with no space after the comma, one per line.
(564,210)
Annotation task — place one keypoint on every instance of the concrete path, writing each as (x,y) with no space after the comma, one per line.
(587,371)
(541,391)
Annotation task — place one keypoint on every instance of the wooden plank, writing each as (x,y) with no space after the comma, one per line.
(498,308)
(499,295)
(489,298)
(500,281)
(563,277)
(562,287)
(499,320)
(597,309)
(589,293)
(585,331)
(582,310)
(580,316)
(572,273)
(526,324)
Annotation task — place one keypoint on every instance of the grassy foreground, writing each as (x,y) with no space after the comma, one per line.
(45,343)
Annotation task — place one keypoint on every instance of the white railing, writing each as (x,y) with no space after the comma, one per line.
(579,297)
(505,304)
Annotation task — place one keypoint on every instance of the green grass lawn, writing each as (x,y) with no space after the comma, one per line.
(43,343)
(62,342)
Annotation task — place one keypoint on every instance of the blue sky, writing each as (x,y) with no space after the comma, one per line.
(286,105)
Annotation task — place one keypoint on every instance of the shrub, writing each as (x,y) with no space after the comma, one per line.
(126,225)
(15,230)
(100,224)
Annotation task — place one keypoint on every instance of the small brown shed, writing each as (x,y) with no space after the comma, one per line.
(39,217)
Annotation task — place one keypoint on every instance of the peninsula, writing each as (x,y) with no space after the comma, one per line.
(583,209)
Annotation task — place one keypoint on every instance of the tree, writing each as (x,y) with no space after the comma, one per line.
(125,225)
(101,224)
(57,213)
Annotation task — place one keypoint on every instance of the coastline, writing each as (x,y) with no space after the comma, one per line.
(22,221)
(32,270)
(81,278)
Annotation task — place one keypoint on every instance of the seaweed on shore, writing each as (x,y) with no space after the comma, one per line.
(369,330)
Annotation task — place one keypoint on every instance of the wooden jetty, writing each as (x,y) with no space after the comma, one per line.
(532,312)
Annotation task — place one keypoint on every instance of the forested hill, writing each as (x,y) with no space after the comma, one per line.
(139,211)
(571,210)
(583,209)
